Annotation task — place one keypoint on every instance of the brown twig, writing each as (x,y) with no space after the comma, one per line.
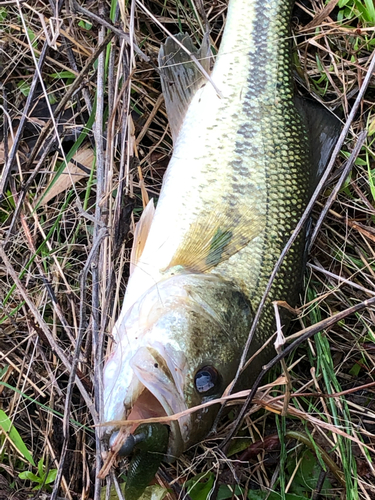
(349,165)
(98,271)
(29,101)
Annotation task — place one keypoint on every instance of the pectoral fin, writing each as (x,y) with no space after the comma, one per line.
(215,237)
(140,234)
(180,76)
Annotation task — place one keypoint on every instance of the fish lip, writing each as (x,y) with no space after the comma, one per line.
(154,366)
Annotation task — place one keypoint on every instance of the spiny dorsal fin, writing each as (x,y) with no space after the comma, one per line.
(180,76)
(140,234)
(215,237)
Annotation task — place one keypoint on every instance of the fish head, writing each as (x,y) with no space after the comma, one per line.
(179,348)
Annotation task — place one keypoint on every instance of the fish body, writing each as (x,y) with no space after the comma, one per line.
(236,186)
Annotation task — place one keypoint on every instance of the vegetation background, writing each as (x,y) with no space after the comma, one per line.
(85,144)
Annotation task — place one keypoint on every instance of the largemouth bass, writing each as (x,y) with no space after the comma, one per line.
(236,186)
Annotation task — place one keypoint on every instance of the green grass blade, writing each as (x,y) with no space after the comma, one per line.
(15,438)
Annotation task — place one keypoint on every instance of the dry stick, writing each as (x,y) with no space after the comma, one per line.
(280,341)
(43,326)
(319,394)
(97,338)
(73,87)
(295,234)
(123,183)
(47,284)
(117,486)
(360,141)
(30,99)
(111,90)
(149,120)
(340,279)
(72,376)
(119,32)
(5,125)
(107,202)
(308,333)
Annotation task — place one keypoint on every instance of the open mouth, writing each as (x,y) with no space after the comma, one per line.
(146,406)
(156,390)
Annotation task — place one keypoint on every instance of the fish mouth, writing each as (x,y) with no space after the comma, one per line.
(156,390)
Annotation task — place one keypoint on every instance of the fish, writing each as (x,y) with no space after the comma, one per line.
(240,177)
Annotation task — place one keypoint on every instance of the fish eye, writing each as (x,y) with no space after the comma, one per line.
(206,379)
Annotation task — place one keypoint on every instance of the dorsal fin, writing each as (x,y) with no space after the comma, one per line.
(180,76)
(140,234)
(323,128)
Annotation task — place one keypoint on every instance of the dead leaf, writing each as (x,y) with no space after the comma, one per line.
(322,15)
(72,173)
(2,152)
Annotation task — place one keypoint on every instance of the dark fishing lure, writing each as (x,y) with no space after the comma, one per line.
(147,446)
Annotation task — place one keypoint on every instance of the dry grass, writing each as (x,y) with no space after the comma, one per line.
(66,239)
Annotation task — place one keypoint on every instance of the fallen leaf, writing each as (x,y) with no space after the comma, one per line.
(72,174)
(2,152)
